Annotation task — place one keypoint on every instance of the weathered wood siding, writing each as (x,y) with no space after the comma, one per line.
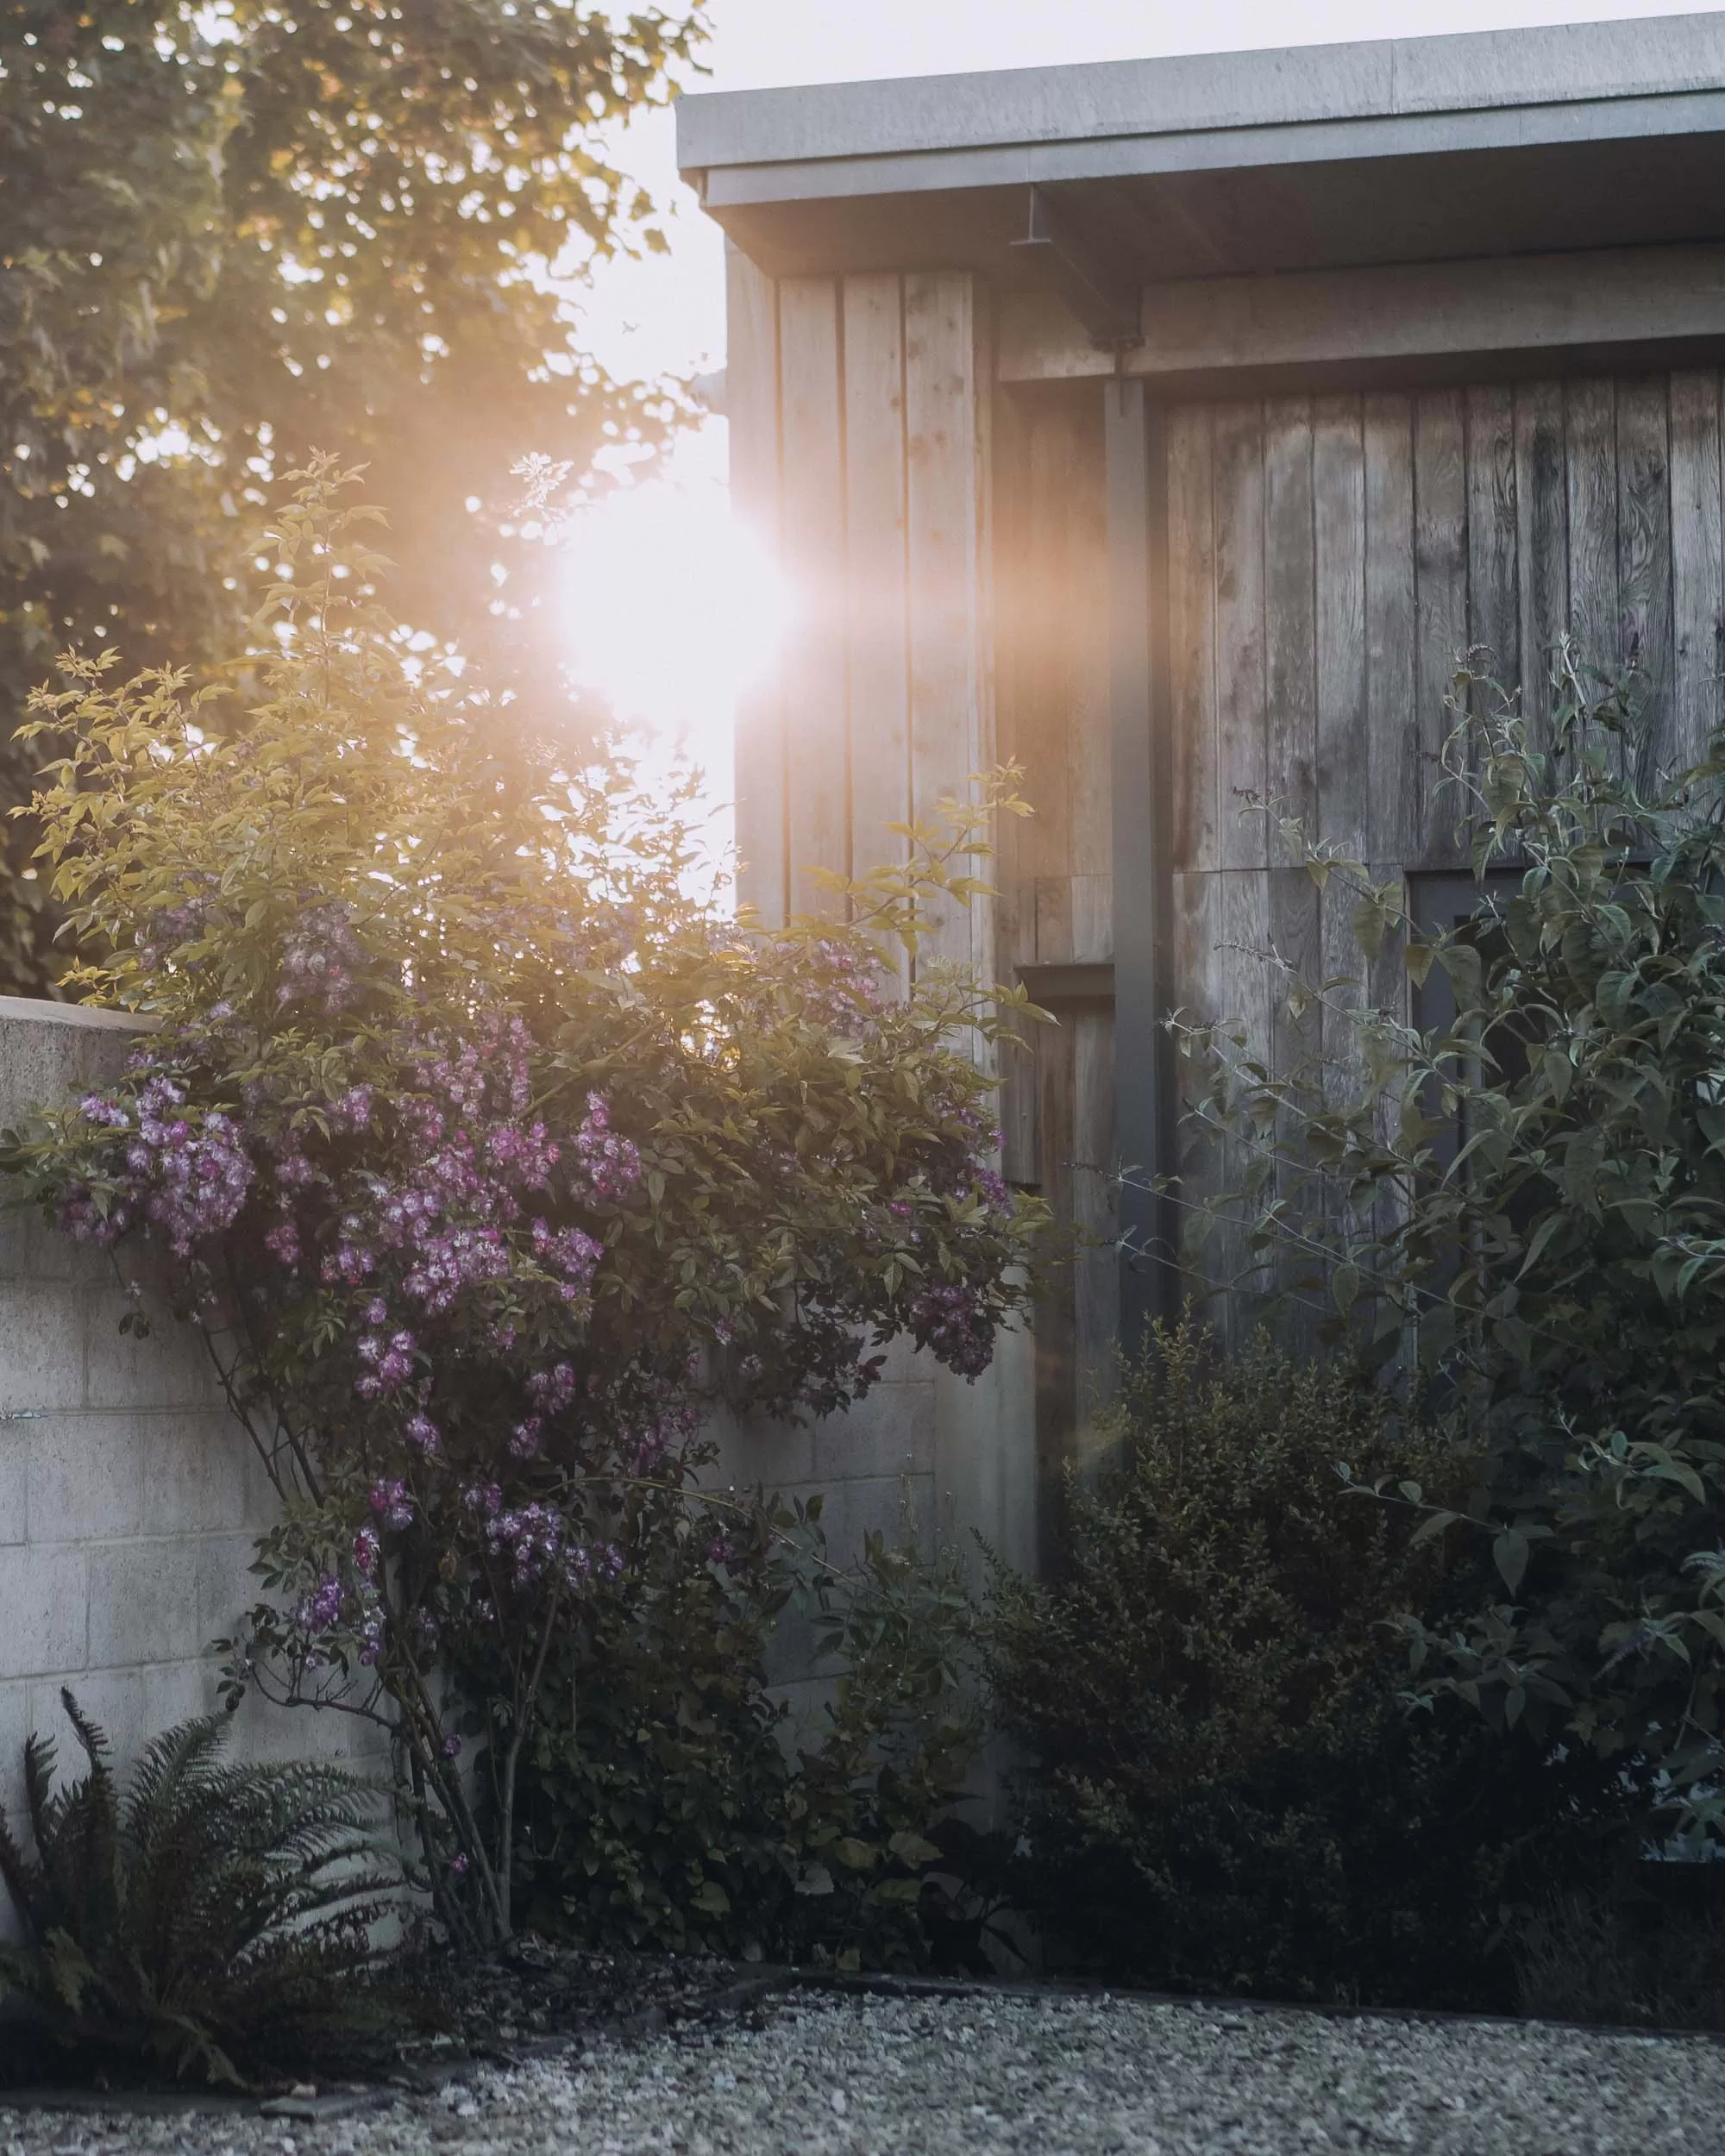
(1332,556)
(860,416)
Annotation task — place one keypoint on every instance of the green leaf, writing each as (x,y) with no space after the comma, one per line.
(1509,1555)
(912,1848)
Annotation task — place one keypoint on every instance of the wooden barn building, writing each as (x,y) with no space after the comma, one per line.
(1172,426)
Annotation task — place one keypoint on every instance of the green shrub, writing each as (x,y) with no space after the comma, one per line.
(1226,1793)
(1525,1203)
(663,1801)
(201,1920)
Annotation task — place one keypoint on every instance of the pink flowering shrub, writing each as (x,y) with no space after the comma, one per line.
(486,1157)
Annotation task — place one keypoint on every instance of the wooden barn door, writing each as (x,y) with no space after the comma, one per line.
(1329,560)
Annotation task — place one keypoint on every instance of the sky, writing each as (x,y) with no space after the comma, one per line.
(656,548)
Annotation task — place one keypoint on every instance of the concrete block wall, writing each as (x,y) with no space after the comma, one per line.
(129,1497)
(926,1454)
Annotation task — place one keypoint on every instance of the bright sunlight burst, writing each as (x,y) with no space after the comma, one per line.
(674,609)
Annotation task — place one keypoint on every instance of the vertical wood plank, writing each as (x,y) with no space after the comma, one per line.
(751,377)
(1197,838)
(944,411)
(1048,615)
(1493,585)
(1697,566)
(1056,1349)
(1241,679)
(1440,571)
(1014,583)
(1339,522)
(1290,634)
(1541,544)
(813,523)
(1087,720)
(1591,425)
(1096,1285)
(1391,618)
(877,617)
(1220,929)
(1344,740)
(1644,563)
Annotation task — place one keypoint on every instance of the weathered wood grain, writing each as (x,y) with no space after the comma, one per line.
(1290,597)
(1697,566)
(878,620)
(816,675)
(1096,1285)
(1239,632)
(1015,711)
(945,506)
(1339,518)
(1196,821)
(1541,544)
(752,418)
(1085,672)
(1590,431)
(1644,563)
(1391,622)
(1494,620)
(1440,571)
(1046,640)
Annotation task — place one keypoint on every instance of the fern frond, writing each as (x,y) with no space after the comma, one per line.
(214,1907)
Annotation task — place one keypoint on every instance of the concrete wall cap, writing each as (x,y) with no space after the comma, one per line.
(38,1010)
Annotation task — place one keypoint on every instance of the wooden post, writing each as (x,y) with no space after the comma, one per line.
(1138,574)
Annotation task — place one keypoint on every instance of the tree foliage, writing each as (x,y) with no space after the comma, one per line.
(488,1152)
(1522,1208)
(237,232)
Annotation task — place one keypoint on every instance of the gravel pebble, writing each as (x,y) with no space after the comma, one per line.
(1055,2075)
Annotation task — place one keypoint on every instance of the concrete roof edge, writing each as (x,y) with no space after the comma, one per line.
(1472,71)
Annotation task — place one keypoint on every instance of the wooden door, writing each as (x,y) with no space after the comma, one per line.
(1330,558)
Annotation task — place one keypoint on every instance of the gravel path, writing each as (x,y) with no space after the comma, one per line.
(1055,2077)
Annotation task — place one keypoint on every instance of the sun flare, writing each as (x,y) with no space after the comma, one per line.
(673,608)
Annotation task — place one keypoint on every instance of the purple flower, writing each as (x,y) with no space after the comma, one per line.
(393,1505)
(366,1550)
(320,1610)
(423,1434)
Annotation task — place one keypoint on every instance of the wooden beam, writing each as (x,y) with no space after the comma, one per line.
(1550,303)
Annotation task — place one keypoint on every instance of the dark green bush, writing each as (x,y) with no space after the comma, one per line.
(199,1922)
(1227,1793)
(664,1802)
(1520,1196)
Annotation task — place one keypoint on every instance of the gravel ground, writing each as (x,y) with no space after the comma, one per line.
(825,2076)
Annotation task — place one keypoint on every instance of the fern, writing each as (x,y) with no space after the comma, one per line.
(209,1911)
